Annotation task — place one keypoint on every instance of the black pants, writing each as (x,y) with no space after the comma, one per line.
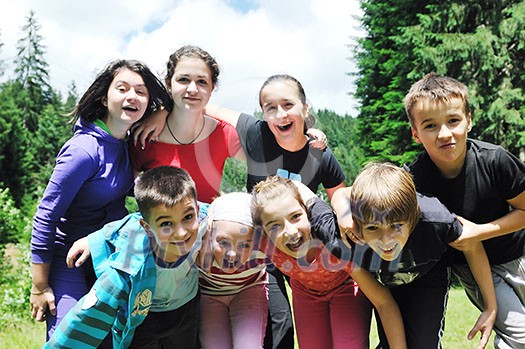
(422,304)
(176,329)
(279,329)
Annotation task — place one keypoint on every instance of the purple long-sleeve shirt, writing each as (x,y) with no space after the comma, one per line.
(87,189)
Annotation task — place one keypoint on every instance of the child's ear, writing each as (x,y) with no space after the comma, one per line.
(469,122)
(146,227)
(104,101)
(415,136)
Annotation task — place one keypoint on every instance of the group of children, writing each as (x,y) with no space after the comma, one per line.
(180,274)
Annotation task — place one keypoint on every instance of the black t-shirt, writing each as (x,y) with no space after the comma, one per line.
(425,247)
(489,177)
(265,157)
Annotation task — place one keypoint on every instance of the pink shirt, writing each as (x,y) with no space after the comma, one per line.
(203,160)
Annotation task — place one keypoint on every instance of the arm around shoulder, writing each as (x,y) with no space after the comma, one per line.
(222,113)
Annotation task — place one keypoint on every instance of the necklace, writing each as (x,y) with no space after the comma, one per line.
(193,140)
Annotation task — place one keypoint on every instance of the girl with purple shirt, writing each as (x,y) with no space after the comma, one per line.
(88,187)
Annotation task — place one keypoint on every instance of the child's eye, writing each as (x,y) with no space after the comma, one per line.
(397,226)
(202,82)
(371,228)
(275,228)
(244,245)
(429,126)
(296,216)
(188,217)
(182,80)
(166,224)
(224,243)
(454,120)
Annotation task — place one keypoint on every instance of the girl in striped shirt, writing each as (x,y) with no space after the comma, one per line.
(232,277)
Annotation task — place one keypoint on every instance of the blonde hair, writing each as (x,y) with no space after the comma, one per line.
(271,189)
(383,192)
(436,88)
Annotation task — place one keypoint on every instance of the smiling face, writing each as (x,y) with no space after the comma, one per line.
(232,244)
(126,100)
(173,230)
(191,84)
(284,111)
(386,239)
(442,128)
(286,223)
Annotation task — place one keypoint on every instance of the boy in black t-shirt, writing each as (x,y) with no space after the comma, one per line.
(481,183)
(402,237)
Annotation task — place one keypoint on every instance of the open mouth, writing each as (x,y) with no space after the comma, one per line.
(295,245)
(130,108)
(181,243)
(230,264)
(284,127)
(388,249)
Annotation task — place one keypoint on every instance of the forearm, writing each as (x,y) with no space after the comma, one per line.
(222,113)
(511,222)
(480,268)
(40,276)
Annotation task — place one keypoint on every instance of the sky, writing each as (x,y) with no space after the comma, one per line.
(250,39)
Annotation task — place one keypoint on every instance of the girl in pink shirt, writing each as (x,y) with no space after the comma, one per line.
(330,309)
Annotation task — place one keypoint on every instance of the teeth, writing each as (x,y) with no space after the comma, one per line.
(284,126)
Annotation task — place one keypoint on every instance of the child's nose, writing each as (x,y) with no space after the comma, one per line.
(192,87)
(281,113)
(444,132)
(179,232)
(231,254)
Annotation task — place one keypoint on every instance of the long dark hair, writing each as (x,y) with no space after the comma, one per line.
(90,106)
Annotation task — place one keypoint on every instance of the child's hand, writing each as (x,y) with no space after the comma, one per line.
(468,238)
(484,325)
(78,253)
(150,129)
(40,302)
(319,138)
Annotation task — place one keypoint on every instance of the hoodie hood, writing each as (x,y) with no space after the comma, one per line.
(85,127)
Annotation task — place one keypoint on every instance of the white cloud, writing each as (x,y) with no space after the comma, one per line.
(305,38)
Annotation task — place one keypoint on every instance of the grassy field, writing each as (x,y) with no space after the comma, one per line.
(461,315)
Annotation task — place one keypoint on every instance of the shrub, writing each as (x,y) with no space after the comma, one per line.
(14,226)
(15,285)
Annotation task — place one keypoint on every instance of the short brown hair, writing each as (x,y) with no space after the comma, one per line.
(436,88)
(163,186)
(383,192)
(271,189)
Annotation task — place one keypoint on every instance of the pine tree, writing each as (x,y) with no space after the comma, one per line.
(32,73)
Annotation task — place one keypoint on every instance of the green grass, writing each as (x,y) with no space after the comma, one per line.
(29,335)
(461,316)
